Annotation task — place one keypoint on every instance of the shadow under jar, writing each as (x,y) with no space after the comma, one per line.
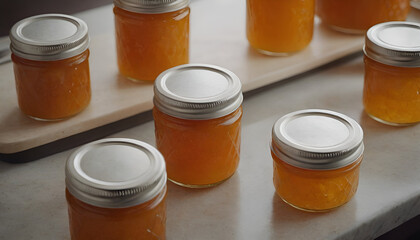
(116,189)
(391,92)
(317,156)
(357,16)
(51,67)
(279,28)
(197,113)
(151,36)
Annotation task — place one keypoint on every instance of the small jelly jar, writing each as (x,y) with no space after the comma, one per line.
(197,113)
(357,16)
(391,92)
(279,28)
(151,36)
(317,156)
(50,61)
(116,189)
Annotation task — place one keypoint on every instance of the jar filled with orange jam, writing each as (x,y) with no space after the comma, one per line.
(151,36)
(278,28)
(50,60)
(317,156)
(392,73)
(197,113)
(357,16)
(116,189)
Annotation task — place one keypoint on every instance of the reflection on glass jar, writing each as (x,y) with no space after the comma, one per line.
(357,16)
(279,28)
(317,156)
(116,189)
(197,117)
(392,73)
(51,67)
(151,36)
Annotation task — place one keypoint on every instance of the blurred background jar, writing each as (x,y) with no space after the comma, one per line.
(51,67)
(116,189)
(316,159)
(357,16)
(151,36)
(197,113)
(391,92)
(279,28)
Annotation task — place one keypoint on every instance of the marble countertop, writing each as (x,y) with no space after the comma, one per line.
(33,206)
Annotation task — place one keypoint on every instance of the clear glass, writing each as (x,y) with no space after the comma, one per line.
(279,27)
(391,94)
(357,16)
(199,153)
(52,90)
(148,44)
(145,221)
(315,190)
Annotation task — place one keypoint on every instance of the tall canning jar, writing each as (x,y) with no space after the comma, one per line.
(279,28)
(151,36)
(197,112)
(391,92)
(317,156)
(116,189)
(50,61)
(357,16)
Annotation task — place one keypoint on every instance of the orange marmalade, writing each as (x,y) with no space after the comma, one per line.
(279,27)
(392,73)
(197,118)
(357,16)
(151,36)
(116,189)
(316,155)
(51,68)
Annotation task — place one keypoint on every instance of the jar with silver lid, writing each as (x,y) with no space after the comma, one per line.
(392,73)
(197,112)
(317,155)
(151,36)
(50,60)
(116,189)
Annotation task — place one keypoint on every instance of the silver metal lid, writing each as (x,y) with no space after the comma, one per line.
(151,6)
(115,173)
(317,139)
(197,91)
(394,43)
(49,37)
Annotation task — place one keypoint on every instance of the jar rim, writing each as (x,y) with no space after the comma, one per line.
(152,6)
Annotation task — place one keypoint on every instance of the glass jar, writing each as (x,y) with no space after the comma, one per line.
(197,112)
(116,189)
(357,16)
(151,36)
(392,73)
(51,67)
(317,156)
(279,28)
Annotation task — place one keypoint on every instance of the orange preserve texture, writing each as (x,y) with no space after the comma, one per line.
(315,190)
(275,26)
(52,90)
(391,93)
(360,15)
(144,221)
(148,44)
(199,152)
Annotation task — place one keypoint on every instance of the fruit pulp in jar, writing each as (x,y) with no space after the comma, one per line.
(199,153)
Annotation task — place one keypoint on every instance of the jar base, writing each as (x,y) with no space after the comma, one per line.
(139,80)
(198,186)
(310,210)
(347,30)
(274,54)
(390,123)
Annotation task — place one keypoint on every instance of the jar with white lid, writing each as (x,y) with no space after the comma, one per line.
(50,60)
(197,112)
(391,92)
(116,189)
(317,156)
